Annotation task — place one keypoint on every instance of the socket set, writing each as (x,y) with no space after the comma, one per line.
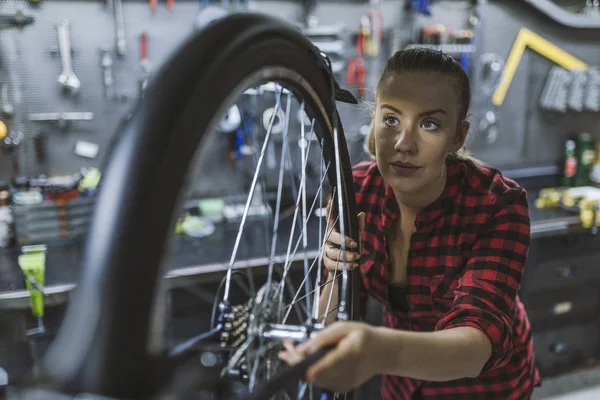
(576,90)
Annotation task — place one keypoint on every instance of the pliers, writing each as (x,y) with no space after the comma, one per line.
(356,74)
(154,4)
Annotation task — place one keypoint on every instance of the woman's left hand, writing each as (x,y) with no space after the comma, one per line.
(348,365)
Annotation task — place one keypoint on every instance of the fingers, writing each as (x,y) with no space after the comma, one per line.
(361,224)
(290,355)
(334,238)
(329,336)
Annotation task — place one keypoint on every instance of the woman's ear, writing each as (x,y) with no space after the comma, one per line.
(461,135)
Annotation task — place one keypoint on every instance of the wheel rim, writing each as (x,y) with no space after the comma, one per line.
(132,134)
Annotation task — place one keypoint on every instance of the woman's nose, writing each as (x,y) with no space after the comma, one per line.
(405,141)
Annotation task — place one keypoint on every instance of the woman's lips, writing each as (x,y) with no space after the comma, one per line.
(405,169)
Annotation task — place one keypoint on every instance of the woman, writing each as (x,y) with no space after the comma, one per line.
(443,244)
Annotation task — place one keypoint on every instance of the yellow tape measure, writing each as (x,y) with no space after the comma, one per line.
(535,42)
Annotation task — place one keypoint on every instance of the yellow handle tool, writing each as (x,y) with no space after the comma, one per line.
(33,265)
(535,42)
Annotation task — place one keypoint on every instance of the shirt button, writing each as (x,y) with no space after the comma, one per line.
(411,306)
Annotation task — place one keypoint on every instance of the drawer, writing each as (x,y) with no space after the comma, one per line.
(565,272)
(566,246)
(564,349)
(559,307)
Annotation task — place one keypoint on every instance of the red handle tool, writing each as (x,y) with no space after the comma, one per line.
(356,75)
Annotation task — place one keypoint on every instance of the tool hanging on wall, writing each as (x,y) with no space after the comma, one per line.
(491,66)
(575,90)
(366,45)
(121,42)
(18,19)
(7,110)
(309,15)
(106,63)
(62,119)
(528,39)
(419,6)
(68,80)
(356,75)
(144,63)
(11,141)
(375,14)
(154,4)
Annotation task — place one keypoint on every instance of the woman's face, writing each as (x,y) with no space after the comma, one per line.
(415,127)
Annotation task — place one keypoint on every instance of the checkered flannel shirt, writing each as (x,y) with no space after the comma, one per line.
(464,268)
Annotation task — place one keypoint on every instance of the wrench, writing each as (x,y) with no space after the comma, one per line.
(67,78)
(120,28)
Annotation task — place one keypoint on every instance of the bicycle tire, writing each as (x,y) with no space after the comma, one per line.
(102,345)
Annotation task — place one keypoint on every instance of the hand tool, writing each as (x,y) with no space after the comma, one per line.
(40,145)
(106,63)
(7,109)
(32,262)
(309,16)
(144,62)
(376,15)
(527,38)
(121,42)
(421,6)
(356,75)
(61,118)
(18,19)
(592,94)
(577,90)
(67,78)
(12,141)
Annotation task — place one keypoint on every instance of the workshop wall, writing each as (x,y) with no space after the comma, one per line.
(31,65)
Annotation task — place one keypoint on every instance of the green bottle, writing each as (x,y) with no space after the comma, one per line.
(570,169)
(586,155)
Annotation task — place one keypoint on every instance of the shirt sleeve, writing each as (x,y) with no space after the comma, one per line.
(488,287)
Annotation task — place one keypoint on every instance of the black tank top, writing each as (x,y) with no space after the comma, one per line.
(397,298)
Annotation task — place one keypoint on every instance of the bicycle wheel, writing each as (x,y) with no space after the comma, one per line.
(104,345)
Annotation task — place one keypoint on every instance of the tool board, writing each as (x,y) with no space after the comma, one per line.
(31,65)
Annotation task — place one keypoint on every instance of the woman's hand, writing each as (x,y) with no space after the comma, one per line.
(332,255)
(348,365)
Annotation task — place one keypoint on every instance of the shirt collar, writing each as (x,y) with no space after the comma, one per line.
(433,211)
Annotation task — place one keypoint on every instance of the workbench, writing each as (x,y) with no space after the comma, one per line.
(205,258)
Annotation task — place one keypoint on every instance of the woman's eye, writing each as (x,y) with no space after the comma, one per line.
(429,126)
(391,121)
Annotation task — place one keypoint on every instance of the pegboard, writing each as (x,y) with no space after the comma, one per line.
(31,66)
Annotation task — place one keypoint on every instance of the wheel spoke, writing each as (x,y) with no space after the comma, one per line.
(248,202)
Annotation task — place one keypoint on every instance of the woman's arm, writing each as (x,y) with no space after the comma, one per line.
(432,356)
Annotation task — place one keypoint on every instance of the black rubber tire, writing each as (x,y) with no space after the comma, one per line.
(102,345)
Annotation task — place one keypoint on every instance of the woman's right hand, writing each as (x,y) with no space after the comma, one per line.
(332,253)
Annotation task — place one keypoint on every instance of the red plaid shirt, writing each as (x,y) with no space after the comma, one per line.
(464,269)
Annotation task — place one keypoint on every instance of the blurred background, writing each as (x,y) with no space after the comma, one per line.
(535,78)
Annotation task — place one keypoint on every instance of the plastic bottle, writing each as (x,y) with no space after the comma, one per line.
(570,169)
